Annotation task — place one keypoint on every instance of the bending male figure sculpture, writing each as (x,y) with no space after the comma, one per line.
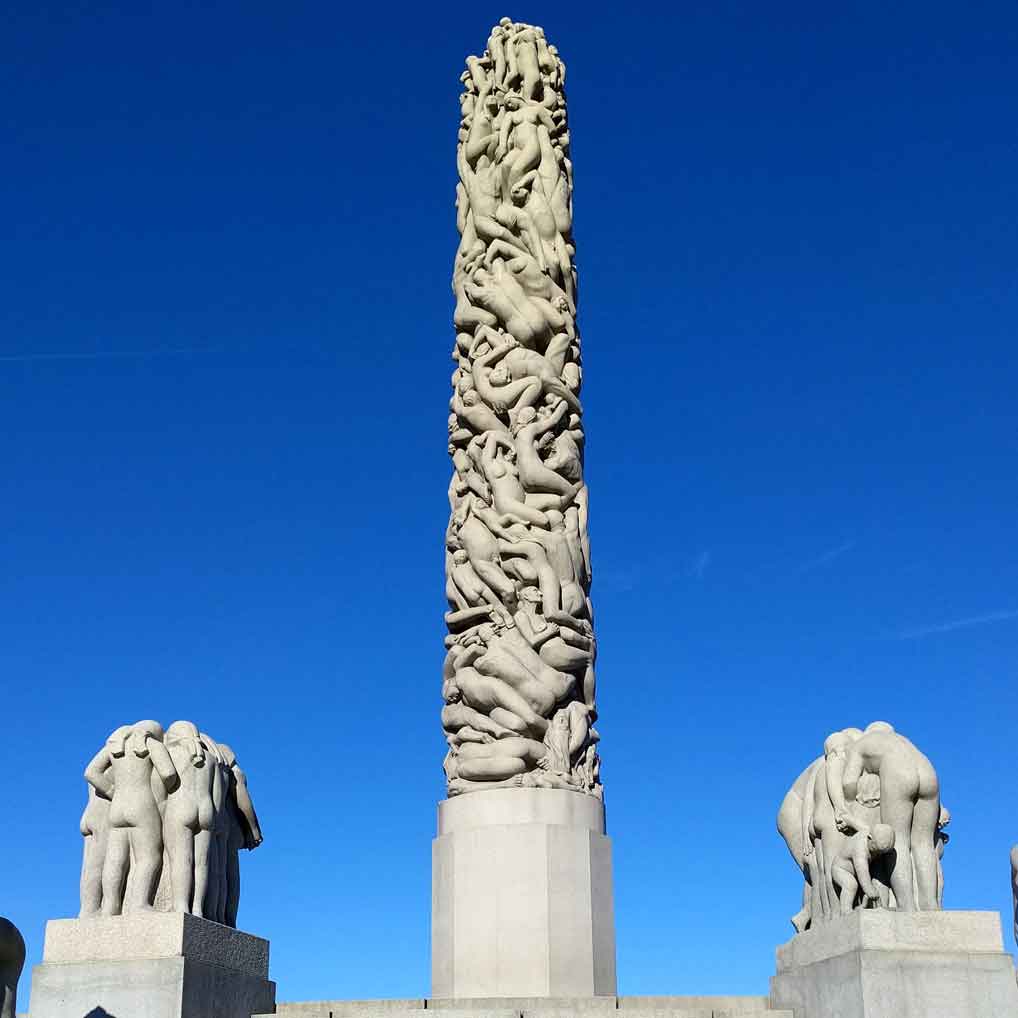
(521,646)
(865,827)
(12,961)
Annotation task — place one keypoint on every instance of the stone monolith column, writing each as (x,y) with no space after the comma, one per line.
(522,889)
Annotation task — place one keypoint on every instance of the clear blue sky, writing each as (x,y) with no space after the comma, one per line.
(224,367)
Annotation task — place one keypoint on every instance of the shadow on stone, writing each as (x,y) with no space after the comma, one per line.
(99,1012)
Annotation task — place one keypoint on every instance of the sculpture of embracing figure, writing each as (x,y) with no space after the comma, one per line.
(167,813)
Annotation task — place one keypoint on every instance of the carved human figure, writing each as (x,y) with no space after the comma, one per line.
(909,803)
(558,566)
(495,697)
(189,819)
(481,546)
(498,760)
(535,475)
(12,961)
(850,867)
(510,377)
(94,827)
(242,830)
(796,837)
(562,647)
(128,768)
(941,840)
(519,141)
(497,290)
(465,589)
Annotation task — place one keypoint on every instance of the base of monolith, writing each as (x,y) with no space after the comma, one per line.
(881,963)
(150,965)
(521,896)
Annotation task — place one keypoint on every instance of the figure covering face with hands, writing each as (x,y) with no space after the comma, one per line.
(519,674)
(865,826)
(177,795)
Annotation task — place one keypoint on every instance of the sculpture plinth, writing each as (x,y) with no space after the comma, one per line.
(522,896)
(151,965)
(878,963)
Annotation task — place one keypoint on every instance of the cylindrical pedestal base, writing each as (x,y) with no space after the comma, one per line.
(521,896)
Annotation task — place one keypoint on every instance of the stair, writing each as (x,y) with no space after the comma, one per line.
(590,1007)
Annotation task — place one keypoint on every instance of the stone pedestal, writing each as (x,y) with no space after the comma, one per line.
(881,963)
(521,898)
(150,965)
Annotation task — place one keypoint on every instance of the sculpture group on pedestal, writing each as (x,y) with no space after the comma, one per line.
(865,825)
(167,815)
(519,670)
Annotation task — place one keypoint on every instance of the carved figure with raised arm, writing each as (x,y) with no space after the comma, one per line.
(535,475)
(12,961)
(129,770)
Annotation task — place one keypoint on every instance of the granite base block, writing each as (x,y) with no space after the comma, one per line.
(155,965)
(886,964)
(522,897)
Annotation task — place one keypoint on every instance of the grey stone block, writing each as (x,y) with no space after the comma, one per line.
(152,965)
(882,963)
(522,897)
(155,935)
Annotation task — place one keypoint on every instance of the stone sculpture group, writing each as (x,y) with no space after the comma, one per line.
(865,825)
(518,685)
(167,815)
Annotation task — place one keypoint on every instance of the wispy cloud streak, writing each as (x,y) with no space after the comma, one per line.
(97,355)
(699,567)
(951,626)
(828,556)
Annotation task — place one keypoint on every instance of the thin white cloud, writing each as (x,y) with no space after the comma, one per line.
(953,624)
(828,556)
(96,355)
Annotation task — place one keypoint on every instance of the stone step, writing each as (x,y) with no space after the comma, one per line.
(597,1007)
